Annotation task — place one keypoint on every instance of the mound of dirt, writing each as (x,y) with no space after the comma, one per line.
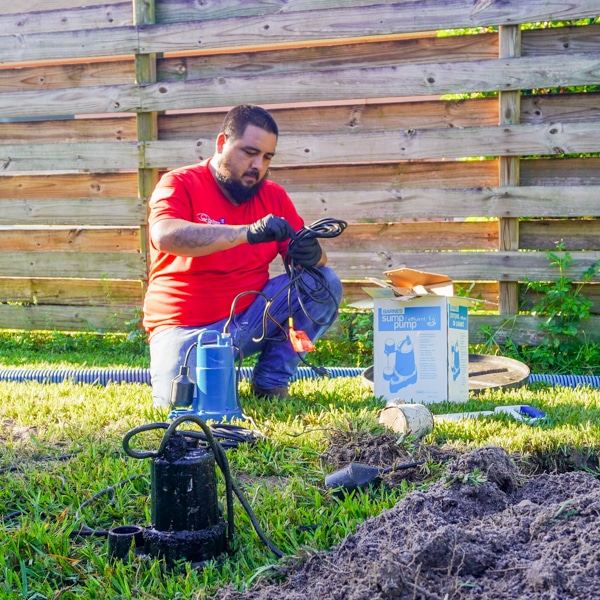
(485,531)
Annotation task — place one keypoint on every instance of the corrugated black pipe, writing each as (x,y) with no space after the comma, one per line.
(103,376)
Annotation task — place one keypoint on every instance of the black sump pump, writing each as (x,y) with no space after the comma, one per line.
(186,519)
(187,522)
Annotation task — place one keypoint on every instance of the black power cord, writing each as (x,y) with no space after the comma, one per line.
(308,281)
(304,280)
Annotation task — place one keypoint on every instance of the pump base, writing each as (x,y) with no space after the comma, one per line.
(217,417)
(193,546)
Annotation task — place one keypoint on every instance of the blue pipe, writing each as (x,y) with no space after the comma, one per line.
(103,376)
(567,380)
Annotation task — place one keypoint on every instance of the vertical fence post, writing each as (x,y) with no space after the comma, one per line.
(146,122)
(509,109)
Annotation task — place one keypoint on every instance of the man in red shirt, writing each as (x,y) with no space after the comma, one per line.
(215,227)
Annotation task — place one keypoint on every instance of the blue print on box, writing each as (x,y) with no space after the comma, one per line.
(401,369)
(409,318)
(458,317)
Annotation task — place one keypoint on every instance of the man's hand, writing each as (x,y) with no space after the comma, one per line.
(305,251)
(270,229)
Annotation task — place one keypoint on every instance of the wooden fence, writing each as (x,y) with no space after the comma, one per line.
(96,100)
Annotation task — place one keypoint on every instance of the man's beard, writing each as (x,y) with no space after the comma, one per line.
(237,190)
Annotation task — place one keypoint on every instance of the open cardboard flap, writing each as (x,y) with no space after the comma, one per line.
(419,283)
(405,284)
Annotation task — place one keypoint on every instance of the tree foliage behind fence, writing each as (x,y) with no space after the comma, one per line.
(96,100)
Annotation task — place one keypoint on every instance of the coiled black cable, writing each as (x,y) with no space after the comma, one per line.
(308,281)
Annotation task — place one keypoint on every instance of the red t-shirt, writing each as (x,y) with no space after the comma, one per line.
(186,291)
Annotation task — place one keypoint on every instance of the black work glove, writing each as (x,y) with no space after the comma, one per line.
(270,229)
(305,251)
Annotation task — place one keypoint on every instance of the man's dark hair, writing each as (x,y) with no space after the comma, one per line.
(239,117)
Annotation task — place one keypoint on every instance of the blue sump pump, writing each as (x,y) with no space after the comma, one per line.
(213,397)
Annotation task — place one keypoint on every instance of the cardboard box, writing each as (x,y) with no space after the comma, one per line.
(421,339)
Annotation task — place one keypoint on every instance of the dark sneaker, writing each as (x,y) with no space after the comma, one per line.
(274,393)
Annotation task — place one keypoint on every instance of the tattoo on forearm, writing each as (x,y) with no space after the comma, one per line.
(192,237)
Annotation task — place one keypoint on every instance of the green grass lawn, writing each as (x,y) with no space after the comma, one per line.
(61,444)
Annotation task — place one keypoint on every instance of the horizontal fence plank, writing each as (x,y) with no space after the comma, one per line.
(73,211)
(538,234)
(354,116)
(88,265)
(419,14)
(374,53)
(71,292)
(67,318)
(522,330)
(559,41)
(377,82)
(64,18)
(411,144)
(311,86)
(283,27)
(355,295)
(67,157)
(425,49)
(423,174)
(52,76)
(83,43)
(389,116)
(383,176)
(68,131)
(560,108)
(575,234)
(424,235)
(354,292)
(99,99)
(74,239)
(359,116)
(451,203)
(72,185)
(460,266)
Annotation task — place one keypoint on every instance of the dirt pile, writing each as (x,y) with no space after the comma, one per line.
(484,532)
